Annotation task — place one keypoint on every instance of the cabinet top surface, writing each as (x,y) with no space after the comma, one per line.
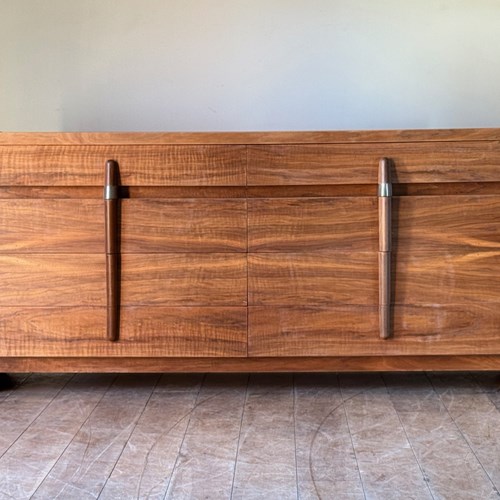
(306,137)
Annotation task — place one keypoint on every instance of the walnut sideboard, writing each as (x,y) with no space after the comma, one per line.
(293,251)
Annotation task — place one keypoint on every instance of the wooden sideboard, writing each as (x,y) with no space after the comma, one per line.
(249,251)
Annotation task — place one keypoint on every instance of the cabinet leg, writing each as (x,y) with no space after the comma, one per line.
(6,382)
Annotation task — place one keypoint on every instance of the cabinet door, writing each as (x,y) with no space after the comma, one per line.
(313,278)
(183,260)
(312,269)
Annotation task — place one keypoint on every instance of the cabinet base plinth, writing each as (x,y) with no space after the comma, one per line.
(318,364)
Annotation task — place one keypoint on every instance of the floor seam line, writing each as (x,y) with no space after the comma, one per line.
(75,434)
(239,436)
(184,436)
(350,433)
(295,435)
(464,437)
(37,417)
(129,436)
(424,477)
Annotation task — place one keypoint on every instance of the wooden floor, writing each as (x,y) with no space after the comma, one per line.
(355,436)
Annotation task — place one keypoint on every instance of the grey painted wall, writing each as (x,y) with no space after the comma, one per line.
(248,64)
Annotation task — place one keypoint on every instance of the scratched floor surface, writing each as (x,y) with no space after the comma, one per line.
(348,436)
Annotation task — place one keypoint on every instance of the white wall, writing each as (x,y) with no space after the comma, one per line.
(248,64)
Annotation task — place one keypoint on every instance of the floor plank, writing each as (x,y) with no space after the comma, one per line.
(260,436)
(326,463)
(205,464)
(386,460)
(22,406)
(58,423)
(476,417)
(443,454)
(146,464)
(266,465)
(84,467)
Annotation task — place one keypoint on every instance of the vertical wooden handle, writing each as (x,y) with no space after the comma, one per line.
(112,237)
(384,254)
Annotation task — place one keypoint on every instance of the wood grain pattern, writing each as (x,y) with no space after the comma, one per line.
(154,165)
(430,277)
(183,226)
(220,192)
(311,276)
(184,331)
(51,226)
(50,192)
(326,278)
(312,331)
(46,280)
(291,137)
(94,192)
(420,162)
(353,331)
(290,224)
(451,223)
(214,279)
(124,364)
(155,332)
